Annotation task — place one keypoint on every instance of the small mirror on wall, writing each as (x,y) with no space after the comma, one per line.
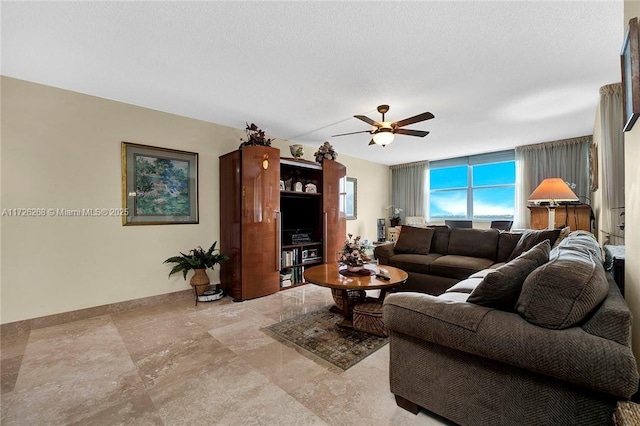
(351,207)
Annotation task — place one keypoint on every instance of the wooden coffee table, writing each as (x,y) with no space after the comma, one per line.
(328,275)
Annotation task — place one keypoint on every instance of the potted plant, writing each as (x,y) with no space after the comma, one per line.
(395,215)
(255,136)
(197,260)
(353,254)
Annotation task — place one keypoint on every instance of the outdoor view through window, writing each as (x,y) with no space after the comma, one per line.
(478,192)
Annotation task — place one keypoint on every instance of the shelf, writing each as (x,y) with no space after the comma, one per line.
(293,286)
(306,164)
(312,243)
(296,265)
(300,193)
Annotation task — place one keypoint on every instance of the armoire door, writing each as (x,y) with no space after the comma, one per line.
(334,176)
(260,198)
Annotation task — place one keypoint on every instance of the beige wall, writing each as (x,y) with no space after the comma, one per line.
(61,149)
(632,208)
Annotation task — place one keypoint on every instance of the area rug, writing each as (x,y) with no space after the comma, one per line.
(317,333)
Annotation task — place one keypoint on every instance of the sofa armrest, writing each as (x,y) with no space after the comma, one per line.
(571,354)
(383,252)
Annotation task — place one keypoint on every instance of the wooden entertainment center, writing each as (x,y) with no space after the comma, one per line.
(277,216)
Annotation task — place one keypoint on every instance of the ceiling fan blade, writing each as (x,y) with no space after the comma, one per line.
(352,133)
(415,119)
(372,142)
(367,120)
(409,132)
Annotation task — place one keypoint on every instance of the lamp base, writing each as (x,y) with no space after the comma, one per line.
(551,224)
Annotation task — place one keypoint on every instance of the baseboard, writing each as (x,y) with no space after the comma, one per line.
(61,318)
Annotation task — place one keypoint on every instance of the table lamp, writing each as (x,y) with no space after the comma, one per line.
(552,190)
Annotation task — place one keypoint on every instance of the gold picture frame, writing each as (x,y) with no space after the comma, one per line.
(159,185)
(630,67)
(593,167)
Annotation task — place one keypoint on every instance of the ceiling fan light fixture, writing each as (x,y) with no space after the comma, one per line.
(384,136)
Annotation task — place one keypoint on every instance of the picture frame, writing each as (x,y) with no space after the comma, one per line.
(159,185)
(593,167)
(630,68)
(351,198)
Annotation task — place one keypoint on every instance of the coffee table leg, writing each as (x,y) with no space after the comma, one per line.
(347,311)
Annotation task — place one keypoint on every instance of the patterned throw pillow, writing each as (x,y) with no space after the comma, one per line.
(414,240)
(501,288)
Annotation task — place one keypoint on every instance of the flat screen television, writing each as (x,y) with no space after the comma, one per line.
(301,214)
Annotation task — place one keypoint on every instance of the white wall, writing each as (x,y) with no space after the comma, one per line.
(632,208)
(61,149)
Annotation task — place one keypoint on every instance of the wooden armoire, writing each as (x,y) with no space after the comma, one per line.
(251,219)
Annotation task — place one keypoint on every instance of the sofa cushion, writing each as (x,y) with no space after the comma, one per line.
(564,291)
(454,296)
(459,267)
(531,237)
(474,242)
(483,273)
(440,240)
(414,262)
(465,286)
(414,240)
(500,289)
(582,241)
(507,241)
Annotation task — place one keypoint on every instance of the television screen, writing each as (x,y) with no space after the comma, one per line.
(300,214)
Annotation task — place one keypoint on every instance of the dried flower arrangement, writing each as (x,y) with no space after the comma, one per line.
(325,151)
(353,252)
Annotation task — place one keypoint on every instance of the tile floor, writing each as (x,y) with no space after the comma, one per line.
(178,364)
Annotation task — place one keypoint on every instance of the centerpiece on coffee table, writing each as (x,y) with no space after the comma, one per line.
(353,254)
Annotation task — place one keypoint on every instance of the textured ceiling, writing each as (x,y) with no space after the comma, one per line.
(495,74)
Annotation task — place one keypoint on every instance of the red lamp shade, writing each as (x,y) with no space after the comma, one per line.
(552,190)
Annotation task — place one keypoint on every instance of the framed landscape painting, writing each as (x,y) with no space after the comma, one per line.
(159,185)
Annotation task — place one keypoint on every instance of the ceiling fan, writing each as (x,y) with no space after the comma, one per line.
(384,131)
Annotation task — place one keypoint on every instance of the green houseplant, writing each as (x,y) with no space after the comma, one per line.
(197,260)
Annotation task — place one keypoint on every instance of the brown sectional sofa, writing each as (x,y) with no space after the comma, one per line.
(452,255)
(552,348)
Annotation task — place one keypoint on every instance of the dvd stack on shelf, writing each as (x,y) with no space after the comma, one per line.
(285,279)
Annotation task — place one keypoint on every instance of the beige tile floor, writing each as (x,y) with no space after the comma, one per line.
(178,364)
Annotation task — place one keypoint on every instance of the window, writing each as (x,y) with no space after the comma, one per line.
(480,187)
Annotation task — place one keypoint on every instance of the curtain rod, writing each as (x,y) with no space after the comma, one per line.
(561,142)
(405,165)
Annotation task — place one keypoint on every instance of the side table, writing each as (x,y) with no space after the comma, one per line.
(614,262)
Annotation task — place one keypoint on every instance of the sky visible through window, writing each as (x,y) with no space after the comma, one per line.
(492,191)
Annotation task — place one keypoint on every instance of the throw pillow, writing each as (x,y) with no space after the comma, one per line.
(414,240)
(564,233)
(500,288)
(564,291)
(532,237)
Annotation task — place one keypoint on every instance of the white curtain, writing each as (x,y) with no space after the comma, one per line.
(612,141)
(408,187)
(567,159)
